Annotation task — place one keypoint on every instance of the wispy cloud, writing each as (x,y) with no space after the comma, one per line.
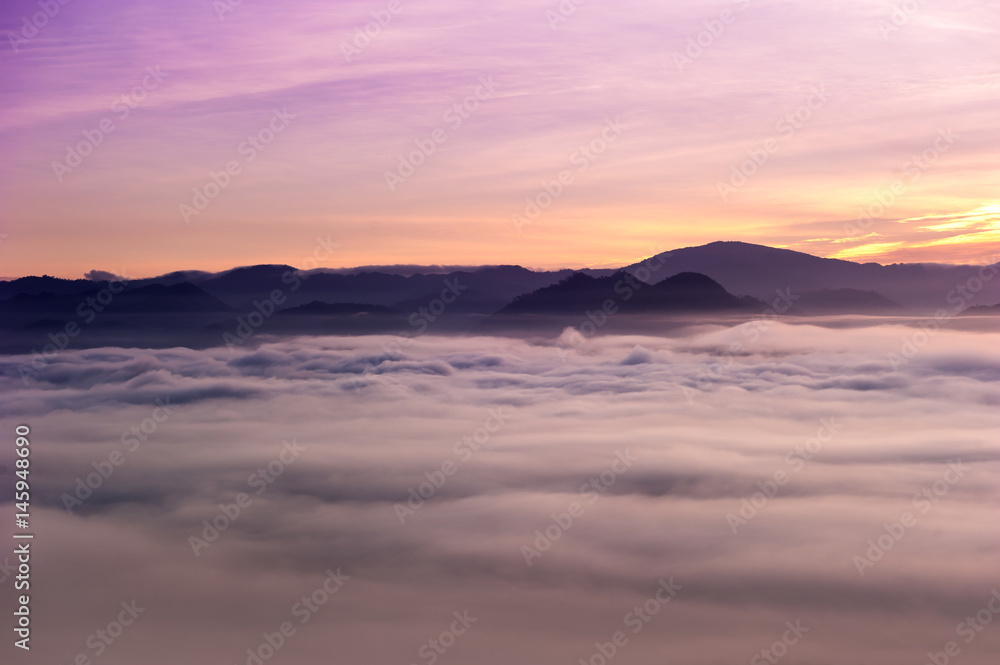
(971,236)
(554,89)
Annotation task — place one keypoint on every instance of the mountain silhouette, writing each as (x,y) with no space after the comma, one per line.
(571,295)
(759,271)
(151,299)
(981,310)
(319,308)
(193,307)
(688,292)
(621,291)
(845,301)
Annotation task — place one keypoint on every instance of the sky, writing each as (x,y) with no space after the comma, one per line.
(861,443)
(498,133)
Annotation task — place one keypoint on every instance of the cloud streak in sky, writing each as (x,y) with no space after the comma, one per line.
(555,89)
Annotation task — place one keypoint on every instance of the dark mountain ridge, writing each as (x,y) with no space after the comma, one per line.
(757,270)
(195,307)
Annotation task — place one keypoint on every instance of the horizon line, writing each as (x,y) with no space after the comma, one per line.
(439,268)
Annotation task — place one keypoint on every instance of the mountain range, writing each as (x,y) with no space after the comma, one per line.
(196,307)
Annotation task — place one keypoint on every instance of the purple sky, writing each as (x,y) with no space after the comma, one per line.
(870,94)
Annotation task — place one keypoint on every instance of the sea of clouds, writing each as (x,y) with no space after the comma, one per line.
(503,500)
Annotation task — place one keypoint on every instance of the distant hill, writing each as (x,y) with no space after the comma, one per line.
(684,292)
(317,308)
(688,292)
(152,315)
(572,295)
(192,307)
(52,285)
(845,301)
(756,270)
(162,299)
(981,310)
(483,290)
(151,299)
